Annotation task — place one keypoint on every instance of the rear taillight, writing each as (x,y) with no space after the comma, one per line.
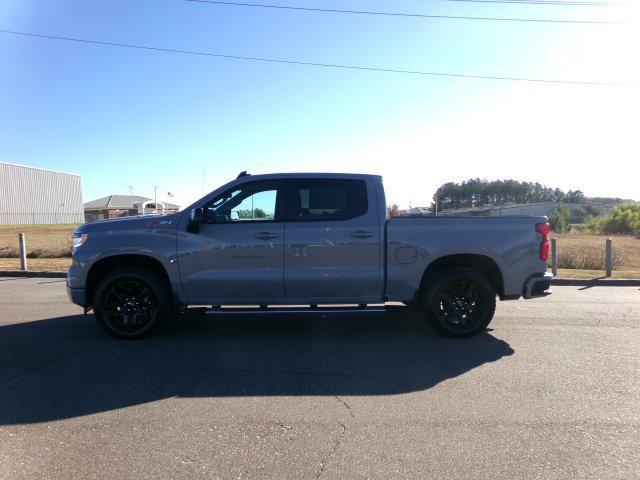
(543,229)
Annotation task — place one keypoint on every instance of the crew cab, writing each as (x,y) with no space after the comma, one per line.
(309,240)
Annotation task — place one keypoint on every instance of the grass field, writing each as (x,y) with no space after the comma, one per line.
(43,241)
(580,255)
(586,251)
(37,264)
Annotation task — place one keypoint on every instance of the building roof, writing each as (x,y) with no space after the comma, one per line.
(122,202)
(418,211)
(39,168)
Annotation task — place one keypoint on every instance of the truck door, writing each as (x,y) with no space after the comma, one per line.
(235,254)
(332,248)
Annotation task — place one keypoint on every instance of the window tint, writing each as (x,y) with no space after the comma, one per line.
(319,199)
(251,202)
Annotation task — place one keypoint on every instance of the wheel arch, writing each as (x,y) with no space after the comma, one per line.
(483,264)
(106,265)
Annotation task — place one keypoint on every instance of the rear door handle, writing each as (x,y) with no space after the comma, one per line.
(362,234)
(266,236)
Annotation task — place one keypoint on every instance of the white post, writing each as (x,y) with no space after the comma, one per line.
(554,257)
(608,258)
(23,251)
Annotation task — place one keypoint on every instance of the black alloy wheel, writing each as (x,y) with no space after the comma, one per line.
(459,302)
(130,302)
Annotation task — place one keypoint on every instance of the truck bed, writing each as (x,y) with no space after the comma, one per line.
(415,243)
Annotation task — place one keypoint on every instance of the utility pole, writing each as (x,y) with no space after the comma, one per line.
(130,187)
(203,180)
(155,197)
(436,196)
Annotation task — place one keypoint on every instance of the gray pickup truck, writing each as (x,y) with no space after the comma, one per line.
(315,241)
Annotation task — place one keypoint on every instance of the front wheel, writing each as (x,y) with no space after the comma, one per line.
(130,302)
(459,302)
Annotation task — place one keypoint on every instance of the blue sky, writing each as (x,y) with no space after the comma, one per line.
(124,117)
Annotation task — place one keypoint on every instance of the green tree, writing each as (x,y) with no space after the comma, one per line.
(393,210)
(559,219)
(574,196)
(578,215)
(623,219)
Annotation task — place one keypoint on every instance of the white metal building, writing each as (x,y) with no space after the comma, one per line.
(31,195)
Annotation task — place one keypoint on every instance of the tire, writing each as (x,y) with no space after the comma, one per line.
(131,302)
(459,302)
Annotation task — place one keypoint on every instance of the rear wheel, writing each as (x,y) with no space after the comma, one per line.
(130,302)
(459,302)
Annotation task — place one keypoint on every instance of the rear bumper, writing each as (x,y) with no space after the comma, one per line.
(538,286)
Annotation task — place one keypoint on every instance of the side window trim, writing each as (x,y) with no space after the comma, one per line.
(280,207)
(292,200)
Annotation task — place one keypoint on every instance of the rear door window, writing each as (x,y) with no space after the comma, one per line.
(326,199)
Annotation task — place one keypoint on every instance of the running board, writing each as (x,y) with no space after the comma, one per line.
(298,309)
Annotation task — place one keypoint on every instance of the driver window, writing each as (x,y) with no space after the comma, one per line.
(247,203)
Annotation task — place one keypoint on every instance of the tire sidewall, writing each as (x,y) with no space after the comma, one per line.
(430,305)
(156,287)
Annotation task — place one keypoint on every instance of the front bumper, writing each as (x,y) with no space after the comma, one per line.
(538,286)
(76,295)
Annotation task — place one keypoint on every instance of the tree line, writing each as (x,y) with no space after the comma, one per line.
(477,192)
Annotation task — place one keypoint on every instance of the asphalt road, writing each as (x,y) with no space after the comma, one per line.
(552,391)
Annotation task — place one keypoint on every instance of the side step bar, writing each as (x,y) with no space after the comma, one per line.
(292,309)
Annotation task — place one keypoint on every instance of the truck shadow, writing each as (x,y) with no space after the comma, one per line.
(66,367)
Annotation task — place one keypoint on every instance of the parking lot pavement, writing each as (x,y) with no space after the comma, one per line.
(551,391)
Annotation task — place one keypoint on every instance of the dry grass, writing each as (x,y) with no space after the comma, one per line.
(586,251)
(591,274)
(43,241)
(587,259)
(37,264)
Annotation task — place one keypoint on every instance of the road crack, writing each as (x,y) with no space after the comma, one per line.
(346,405)
(341,436)
(334,449)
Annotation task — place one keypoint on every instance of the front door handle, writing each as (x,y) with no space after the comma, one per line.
(362,234)
(266,236)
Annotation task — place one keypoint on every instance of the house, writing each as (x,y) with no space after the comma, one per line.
(114,206)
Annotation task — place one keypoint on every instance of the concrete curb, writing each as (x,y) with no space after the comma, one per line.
(597,282)
(29,274)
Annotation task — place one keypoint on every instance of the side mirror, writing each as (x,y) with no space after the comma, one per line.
(196,215)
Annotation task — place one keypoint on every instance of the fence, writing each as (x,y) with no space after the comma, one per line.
(609,259)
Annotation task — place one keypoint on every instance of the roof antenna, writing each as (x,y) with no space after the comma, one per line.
(242,174)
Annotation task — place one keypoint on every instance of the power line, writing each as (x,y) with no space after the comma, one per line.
(309,63)
(395,14)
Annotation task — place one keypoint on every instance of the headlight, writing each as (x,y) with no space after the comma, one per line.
(78,240)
